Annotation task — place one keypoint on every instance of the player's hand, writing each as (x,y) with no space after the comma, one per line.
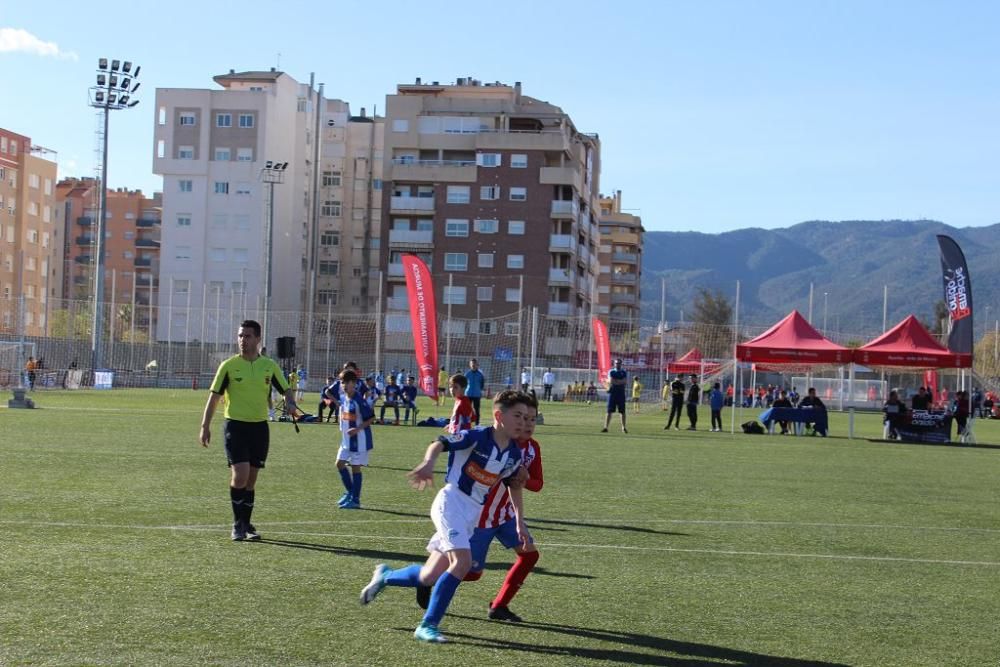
(204,436)
(422,477)
(352,432)
(519,479)
(523,536)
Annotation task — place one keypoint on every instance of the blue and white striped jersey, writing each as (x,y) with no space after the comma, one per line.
(476,463)
(355,411)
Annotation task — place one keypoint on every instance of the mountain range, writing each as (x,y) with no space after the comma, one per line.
(848,264)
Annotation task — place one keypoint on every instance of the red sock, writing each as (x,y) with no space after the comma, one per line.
(515,577)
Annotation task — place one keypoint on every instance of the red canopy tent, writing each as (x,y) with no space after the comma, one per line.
(910,345)
(692,363)
(792,342)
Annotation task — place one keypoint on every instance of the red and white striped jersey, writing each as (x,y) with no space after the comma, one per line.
(497,507)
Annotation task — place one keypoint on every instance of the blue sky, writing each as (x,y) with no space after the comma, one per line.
(712,115)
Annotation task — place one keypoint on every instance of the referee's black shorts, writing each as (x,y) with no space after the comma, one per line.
(247,442)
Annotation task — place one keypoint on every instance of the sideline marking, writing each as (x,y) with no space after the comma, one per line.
(548,545)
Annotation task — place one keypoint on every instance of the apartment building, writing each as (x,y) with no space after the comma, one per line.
(618,293)
(497,192)
(131,248)
(31,228)
(214,148)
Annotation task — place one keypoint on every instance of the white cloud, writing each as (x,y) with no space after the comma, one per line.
(17,40)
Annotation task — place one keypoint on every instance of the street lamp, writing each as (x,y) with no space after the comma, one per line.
(824,313)
(115,90)
(272,173)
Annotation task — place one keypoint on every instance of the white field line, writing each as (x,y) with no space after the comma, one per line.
(547,545)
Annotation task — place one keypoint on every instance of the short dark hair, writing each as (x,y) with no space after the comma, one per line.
(459,379)
(350,364)
(348,375)
(505,400)
(251,324)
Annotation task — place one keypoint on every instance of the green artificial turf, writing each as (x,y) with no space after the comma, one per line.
(658,548)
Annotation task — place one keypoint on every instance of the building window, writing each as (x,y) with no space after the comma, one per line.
(161,118)
(244,155)
(32,208)
(241,221)
(185,185)
(425,224)
(223,120)
(400,125)
(458,228)
(241,256)
(512,328)
(488,159)
(182,286)
(519,161)
(331,179)
(187,118)
(329,239)
(161,148)
(185,153)
(128,254)
(485,260)
(128,235)
(216,287)
(487,226)
(456,261)
(513,295)
(489,192)
(217,254)
(327,297)
(184,220)
(518,194)
(515,227)
(329,268)
(223,155)
(330,209)
(458,194)
(515,261)
(222,187)
(182,253)
(238,287)
(219,220)
(246,120)
(48,186)
(33,181)
(242,188)
(484,294)
(454,295)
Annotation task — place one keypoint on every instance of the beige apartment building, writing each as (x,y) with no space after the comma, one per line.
(621,262)
(497,192)
(131,250)
(31,228)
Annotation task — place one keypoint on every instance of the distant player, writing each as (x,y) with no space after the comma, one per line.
(327,399)
(478,461)
(476,386)
(390,400)
(356,418)
(442,385)
(462,413)
(408,398)
(617,377)
(373,393)
(636,394)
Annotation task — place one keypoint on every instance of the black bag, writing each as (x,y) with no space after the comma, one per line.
(752,427)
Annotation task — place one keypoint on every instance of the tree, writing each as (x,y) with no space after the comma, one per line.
(711,330)
(712,308)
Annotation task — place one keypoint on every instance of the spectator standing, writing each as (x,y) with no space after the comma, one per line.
(477,383)
(694,397)
(525,380)
(548,379)
(676,403)
(617,377)
(716,400)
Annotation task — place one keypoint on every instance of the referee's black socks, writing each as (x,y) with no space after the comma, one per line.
(238,499)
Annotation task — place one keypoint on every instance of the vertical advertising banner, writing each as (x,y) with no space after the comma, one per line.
(957,294)
(603,347)
(423,319)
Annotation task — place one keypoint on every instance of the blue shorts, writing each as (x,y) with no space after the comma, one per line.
(506,533)
(616,404)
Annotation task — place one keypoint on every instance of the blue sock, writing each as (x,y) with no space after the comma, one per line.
(356,487)
(441,595)
(408,576)
(345,477)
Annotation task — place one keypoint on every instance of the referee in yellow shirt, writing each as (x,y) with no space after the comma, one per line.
(245,380)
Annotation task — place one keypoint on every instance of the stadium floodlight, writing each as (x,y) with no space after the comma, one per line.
(272,174)
(107,96)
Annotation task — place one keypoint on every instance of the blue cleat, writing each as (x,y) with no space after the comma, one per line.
(426,632)
(375,586)
(351,504)
(346,498)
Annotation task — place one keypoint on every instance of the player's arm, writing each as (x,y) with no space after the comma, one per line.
(367,417)
(205,433)
(535,480)
(517,500)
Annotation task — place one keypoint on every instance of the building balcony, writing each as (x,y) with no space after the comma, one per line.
(143,279)
(147,243)
(394,270)
(143,261)
(546,140)
(85,221)
(559,308)
(84,240)
(397,303)
(561,176)
(626,257)
(565,209)
(81,280)
(82,259)
(560,277)
(411,237)
(563,242)
(412,204)
(624,278)
(585,286)
(624,299)
(583,254)
(147,222)
(434,171)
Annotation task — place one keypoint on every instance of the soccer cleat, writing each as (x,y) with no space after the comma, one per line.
(624,430)
(604,430)
(375,586)
(239,533)
(426,632)
(251,533)
(503,613)
(351,504)
(423,596)
(344,499)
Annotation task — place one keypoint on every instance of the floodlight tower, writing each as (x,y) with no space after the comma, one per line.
(273,173)
(117,83)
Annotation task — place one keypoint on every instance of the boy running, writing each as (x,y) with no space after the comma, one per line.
(462,413)
(478,461)
(356,418)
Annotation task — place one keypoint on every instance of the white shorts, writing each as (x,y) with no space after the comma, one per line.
(455,516)
(358,458)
